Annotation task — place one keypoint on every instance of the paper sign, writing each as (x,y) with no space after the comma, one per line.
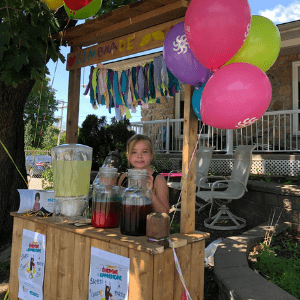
(36,200)
(109,276)
(32,265)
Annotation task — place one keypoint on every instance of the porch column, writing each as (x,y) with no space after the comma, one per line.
(229,141)
(188,196)
(73,104)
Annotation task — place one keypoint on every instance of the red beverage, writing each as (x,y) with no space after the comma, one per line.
(105,214)
(133,219)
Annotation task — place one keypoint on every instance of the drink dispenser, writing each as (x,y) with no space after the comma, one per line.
(106,199)
(136,204)
(71,165)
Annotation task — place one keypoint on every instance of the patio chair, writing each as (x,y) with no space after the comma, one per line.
(234,188)
(204,157)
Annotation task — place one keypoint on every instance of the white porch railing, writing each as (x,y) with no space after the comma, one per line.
(272,133)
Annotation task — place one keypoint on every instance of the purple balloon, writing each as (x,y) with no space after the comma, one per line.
(180,59)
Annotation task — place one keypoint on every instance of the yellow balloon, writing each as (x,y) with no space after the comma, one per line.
(262,45)
(53,4)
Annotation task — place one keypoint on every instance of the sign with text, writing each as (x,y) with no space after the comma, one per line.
(140,41)
(109,276)
(32,265)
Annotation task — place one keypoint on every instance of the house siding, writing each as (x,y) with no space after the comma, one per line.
(159,111)
(281,78)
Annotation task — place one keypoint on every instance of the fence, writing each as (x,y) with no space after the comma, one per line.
(37,161)
(37,152)
(272,133)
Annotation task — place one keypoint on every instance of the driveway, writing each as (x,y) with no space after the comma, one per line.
(35,183)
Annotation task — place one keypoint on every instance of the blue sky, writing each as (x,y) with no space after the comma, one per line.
(277,11)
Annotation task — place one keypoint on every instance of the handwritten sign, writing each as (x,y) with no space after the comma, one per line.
(32,265)
(130,44)
(109,276)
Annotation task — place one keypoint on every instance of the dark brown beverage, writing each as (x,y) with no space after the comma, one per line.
(133,219)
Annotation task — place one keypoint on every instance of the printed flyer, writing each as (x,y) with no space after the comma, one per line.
(109,276)
(32,265)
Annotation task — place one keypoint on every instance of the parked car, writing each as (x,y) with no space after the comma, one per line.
(37,164)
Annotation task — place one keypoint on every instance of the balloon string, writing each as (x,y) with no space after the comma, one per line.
(179,269)
(193,154)
(5,149)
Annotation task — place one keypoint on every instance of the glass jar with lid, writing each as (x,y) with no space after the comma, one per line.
(106,199)
(136,204)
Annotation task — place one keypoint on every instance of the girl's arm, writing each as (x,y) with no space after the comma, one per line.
(160,195)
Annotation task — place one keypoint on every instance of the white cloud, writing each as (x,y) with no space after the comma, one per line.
(282,14)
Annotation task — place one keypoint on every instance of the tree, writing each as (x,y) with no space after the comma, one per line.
(25,49)
(49,137)
(28,136)
(103,138)
(39,110)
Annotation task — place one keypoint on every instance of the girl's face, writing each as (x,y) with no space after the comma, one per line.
(141,155)
(37,199)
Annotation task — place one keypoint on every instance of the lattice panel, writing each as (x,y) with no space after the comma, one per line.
(169,164)
(282,167)
(224,166)
(221,166)
(258,167)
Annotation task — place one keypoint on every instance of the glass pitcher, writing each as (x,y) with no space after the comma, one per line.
(106,199)
(136,204)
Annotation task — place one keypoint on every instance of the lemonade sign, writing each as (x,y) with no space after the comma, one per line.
(32,265)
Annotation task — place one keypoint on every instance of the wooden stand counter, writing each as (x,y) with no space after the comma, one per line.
(153,274)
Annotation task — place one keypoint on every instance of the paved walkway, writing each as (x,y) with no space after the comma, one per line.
(35,183)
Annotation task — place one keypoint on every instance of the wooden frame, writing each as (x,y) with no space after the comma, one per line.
(153,274)
(122,25)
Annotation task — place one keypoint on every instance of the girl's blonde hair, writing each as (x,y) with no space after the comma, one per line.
(134,140)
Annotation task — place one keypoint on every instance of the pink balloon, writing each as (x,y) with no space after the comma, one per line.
(216,29)
(236,96)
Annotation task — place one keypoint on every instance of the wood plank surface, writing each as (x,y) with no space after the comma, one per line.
(141,275)
(188,181)
(113,235)
(68,251)
(197,270)
(15,258)
(163,281)
(111,18)
(52,262)
(184,258)
(142,40)
(82,258)
(73,105)
(65,265)
(124,26)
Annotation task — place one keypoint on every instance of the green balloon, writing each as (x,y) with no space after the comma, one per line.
(262,45)
(85,12)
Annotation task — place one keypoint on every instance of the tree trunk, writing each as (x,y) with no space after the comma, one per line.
(12,102)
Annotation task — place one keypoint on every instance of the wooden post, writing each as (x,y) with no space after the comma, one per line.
(73,104)
(188,196)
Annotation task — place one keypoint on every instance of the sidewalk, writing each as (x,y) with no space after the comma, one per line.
(35,183)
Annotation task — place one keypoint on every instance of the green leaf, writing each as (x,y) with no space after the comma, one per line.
(19,61)
(4,36)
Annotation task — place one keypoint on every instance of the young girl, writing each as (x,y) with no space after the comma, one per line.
(139,156)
